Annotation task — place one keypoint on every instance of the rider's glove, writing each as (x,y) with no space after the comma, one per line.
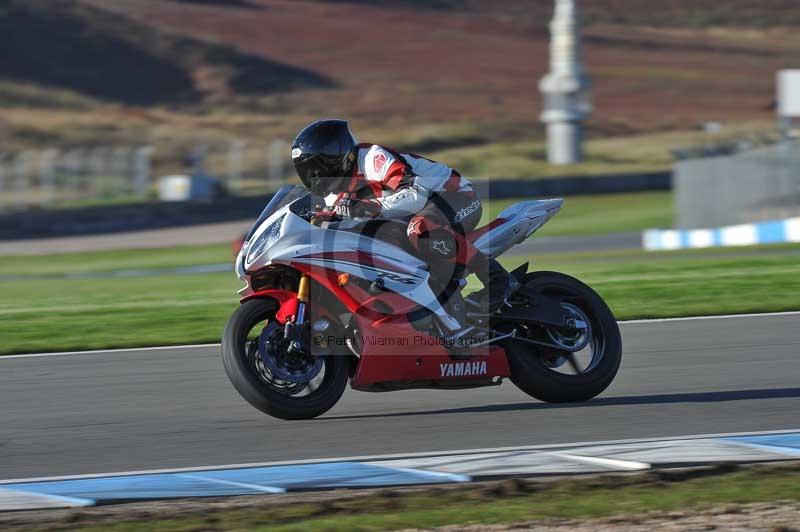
(344,207)
(366,209)
(347,207)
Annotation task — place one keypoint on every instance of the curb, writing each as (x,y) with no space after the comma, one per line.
(773,232)
(393,470)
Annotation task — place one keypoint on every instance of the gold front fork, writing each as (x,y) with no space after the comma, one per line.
(302,299)
(302,289)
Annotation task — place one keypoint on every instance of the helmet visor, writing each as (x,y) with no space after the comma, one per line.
(318,174)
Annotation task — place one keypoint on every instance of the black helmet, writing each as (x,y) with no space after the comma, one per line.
(323,155)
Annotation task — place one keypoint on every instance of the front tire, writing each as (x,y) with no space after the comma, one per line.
(541,372)
(255,383)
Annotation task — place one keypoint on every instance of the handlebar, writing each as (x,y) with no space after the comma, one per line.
(324,216)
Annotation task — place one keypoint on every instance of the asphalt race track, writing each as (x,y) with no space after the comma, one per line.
(151,409)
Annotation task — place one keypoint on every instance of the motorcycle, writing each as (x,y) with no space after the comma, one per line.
(330,301)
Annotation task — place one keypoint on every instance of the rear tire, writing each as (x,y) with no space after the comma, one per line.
(529,363)
(244,376)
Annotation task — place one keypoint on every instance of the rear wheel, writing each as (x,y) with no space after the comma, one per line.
(589,352)
(278,382)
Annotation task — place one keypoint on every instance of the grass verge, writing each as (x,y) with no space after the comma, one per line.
(50,313)
(115,260)
(512,501)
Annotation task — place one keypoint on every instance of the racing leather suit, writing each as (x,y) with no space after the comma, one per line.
(438,205)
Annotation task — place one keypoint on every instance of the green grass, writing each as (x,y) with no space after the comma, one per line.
(49,314)
(592,215)
(107,261)
(507,502)
(688,283)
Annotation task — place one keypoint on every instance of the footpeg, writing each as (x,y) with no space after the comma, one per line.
(461,352)
(512,334)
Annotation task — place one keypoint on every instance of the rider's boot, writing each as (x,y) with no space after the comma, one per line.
(498,285)
(458,342)
(447,282)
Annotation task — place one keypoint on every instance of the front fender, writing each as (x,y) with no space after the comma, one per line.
(285,298)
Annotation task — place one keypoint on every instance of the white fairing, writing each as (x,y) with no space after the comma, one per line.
(285,238)
(302,242)
(522,220)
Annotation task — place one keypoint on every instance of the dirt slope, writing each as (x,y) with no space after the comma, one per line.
(399,63)
(423,74)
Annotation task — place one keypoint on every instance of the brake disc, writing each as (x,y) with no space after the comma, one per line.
(290,367)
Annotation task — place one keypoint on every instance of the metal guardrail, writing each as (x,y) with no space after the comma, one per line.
(54,178)
(750,186)
(50,179)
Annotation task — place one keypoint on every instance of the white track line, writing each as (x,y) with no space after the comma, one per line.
(454,477)
(256,487)
(108,351)
(611,463)
(571,448)
(171,347)
(718,317)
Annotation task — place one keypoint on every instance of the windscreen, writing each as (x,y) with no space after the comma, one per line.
(283,197)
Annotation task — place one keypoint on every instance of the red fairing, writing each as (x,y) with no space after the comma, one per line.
(286,298)
(396,352)
(392,349)
(359,301)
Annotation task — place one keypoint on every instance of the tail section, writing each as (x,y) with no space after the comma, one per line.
(514,225)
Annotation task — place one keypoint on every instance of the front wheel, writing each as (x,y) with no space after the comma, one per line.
(562,374)
(271,378)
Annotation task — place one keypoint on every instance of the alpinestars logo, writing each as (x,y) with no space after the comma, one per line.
(400,196)
(463,369)
(441,247)
(466,211)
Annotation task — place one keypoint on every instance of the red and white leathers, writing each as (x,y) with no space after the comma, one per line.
(401,183)
(439,205)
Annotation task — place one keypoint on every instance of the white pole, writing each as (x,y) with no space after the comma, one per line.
(565,87)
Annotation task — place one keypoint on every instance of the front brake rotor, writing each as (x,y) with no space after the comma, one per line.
(290,367)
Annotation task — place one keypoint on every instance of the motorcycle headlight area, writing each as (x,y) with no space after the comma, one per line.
(265,240)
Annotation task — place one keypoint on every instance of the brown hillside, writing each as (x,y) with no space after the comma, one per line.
(482,64)
(455,79)
(67,45)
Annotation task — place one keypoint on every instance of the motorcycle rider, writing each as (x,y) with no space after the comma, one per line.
(374,181)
